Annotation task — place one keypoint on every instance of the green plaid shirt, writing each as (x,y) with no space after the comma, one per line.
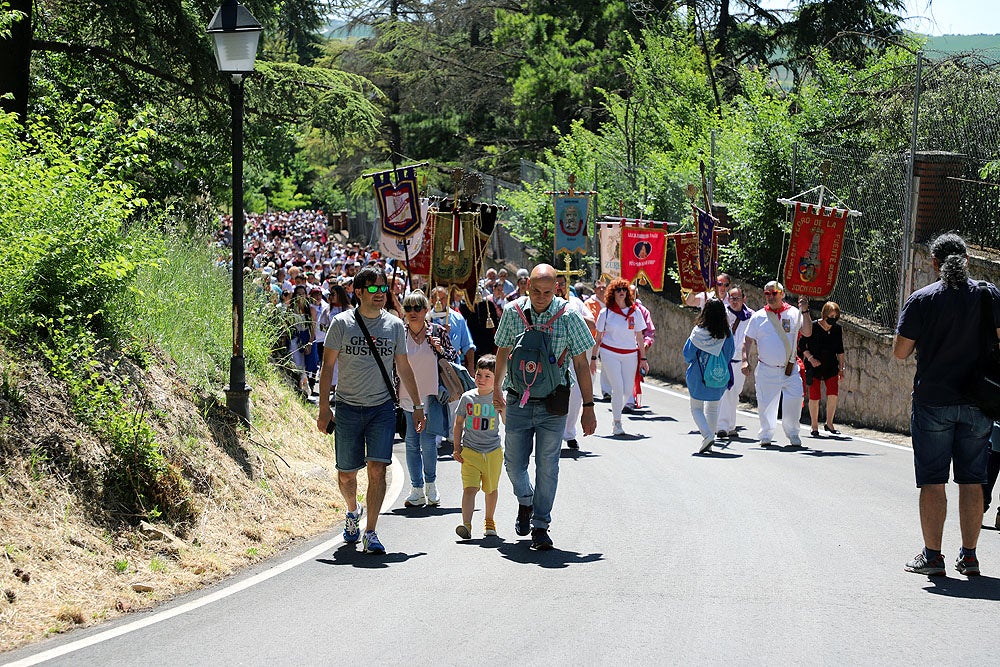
(569,332)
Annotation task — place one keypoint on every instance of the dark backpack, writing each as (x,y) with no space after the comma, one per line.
(533,369)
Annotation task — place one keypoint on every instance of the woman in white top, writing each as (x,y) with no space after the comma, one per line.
(425,344)
(619,338)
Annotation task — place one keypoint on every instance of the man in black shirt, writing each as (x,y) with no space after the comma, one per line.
(942,323)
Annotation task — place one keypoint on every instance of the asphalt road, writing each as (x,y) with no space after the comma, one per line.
(746,556)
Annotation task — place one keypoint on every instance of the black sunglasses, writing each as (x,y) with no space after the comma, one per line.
(414,309)
(375,289)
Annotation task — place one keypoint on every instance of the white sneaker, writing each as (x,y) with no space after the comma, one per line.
(417,498)
(795,441)
(433,497)
(617,429)
(706,444)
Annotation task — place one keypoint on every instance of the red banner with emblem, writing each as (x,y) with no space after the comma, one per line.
(689,252)
(817,241)
(421,264)
(644,255)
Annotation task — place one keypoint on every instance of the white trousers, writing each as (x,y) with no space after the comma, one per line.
(575,406)
(772,383)
(706,416)
(730,400)
(620,369)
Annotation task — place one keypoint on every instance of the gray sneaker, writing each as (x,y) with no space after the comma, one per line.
(920,565)
(967,565)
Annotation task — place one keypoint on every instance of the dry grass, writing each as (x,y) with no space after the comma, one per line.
(65,563)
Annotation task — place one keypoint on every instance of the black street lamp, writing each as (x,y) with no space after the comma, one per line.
(236,33)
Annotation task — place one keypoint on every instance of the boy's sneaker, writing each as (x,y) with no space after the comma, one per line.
(920,565)
(967,565)
(706,444)
(540,540)
(616,429)
(463,531)
(522,525)
(490,529)
(371,543)
(352,530)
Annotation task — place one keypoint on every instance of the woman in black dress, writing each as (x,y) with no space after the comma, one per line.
(823,357)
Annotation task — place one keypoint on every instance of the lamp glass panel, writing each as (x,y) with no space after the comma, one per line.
(236,51)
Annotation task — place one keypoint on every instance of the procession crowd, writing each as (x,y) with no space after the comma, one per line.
(382,351)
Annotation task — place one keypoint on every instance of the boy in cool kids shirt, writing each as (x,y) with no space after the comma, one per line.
(477,447)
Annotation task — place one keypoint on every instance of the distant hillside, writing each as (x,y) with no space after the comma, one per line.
(338,30)
(949,44)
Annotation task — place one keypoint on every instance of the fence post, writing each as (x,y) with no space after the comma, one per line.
(909,207)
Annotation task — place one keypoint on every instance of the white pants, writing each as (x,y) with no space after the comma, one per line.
(730,400)
(575,406)
(772,383)
(620,369)
(605,382)
(706,416)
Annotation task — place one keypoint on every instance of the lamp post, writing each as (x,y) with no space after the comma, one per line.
(236,33)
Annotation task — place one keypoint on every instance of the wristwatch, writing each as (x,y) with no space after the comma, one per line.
(418,406)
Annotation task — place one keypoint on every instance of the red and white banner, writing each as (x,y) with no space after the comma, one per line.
(611,245)
(817,241)
(644,255)
(420,265)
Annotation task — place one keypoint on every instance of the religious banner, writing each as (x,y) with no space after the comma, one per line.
(571,224)
(404,248)
(397,202)
(813,259)
(644,254)
(420,264)
(611,244)
(688,262)
(707,246)
(451,266)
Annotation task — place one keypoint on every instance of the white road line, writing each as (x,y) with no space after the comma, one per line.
(392,494)
(754,415)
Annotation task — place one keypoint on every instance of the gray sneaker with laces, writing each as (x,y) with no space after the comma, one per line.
(920,565)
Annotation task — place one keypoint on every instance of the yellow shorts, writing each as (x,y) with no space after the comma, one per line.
(480,469)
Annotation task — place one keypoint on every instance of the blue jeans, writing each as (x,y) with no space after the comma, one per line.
(527,428)
(363,434)
(944,434)
(421,454)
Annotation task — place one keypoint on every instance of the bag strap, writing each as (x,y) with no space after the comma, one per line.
(775,319)
(378,357)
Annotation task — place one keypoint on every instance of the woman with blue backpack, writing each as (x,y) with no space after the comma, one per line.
(708,352)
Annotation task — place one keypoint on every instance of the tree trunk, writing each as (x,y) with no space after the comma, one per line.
(15,53)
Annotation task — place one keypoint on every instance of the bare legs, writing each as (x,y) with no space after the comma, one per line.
(934,509)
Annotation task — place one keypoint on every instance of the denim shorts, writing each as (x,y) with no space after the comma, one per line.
(364,434)
(945,434)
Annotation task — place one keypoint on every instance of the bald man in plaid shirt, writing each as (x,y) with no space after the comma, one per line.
(532,426)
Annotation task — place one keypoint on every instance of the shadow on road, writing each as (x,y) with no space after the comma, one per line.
(352,554)
(717,455)
(577,454)
(973,588)
(519,552)
(426,510)
(625,437)
(658,418)
(822,453)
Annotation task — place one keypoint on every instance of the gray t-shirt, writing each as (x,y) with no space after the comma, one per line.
(359,380)
(482,426)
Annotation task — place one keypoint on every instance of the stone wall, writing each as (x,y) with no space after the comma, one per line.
(876,389)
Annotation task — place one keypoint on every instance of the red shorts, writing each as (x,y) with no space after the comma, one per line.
(832,387)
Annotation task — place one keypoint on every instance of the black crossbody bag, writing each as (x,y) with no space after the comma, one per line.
(984,390)
(400,417)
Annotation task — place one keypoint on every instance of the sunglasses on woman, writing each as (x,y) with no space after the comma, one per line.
(413,309)
(375,289)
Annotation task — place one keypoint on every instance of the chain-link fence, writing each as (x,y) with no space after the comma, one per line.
(875,184)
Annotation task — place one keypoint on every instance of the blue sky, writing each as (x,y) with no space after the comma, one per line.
(941,17)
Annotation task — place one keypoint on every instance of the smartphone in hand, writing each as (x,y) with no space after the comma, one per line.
(331,426)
